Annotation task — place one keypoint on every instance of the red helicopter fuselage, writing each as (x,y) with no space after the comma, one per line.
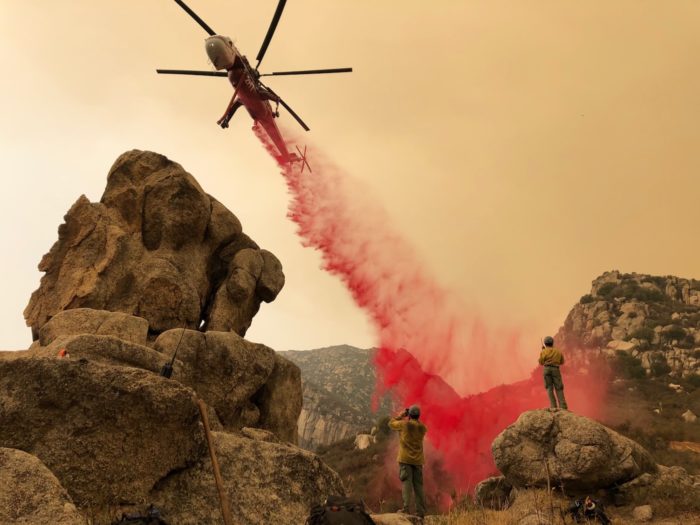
(256,99)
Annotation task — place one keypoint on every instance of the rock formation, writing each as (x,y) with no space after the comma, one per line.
(156,246)
(267,482)
(338,384)
(494,493)
(577,456)
(31,493)
(157,267)
(570,450)
(654,319)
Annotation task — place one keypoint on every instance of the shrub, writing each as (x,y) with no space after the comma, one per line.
(674,333)
(648,295)
(644,334)
(694,380)
(383,429)
(588,298)
(657,280)
(627,366)
(659,366)
(606,289)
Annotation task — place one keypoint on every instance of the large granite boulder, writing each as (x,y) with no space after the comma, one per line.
(670,489)
(494,493)
(96,322)
(108,433)
(158,247)
(570,450)
(280,399)
(223,368)
(103,349)
(31,493)
(266,482)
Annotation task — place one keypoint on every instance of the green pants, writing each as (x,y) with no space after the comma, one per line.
(552,382)
(411,477)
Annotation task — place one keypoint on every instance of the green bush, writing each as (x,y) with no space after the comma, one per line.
(627,366)
(658,281)
(606,289)
(648,295)
(694,380)
(383,429)
(588,298)
(674,333)
(643,334)
(659,366)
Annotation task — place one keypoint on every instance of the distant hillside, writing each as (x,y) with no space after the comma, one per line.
(650,319)
(338,383)
(648,327)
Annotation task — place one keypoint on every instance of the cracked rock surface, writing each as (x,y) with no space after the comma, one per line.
(156,246)
(573,451)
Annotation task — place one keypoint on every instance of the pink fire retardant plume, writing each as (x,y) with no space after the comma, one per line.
(471,382)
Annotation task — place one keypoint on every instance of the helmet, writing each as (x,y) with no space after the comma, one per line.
(548,341)
(414,411)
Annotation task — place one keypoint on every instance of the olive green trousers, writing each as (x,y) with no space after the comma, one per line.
(411,477)
(553,382)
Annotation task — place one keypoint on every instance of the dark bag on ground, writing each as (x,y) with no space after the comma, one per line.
(338,510)
(586,510)
(150,517)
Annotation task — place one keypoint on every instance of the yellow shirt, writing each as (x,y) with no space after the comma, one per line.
(551,356)
(411,437)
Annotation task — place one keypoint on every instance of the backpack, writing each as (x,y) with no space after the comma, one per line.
(338,510)
(150,517)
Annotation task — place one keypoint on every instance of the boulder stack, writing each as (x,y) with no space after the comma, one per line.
(561,448)
(156,272)
(156,246)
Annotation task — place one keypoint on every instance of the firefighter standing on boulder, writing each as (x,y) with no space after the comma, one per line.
(551,359)
(411,457)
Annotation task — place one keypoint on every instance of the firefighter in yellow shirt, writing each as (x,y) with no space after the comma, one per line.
(411,434)
(551,359)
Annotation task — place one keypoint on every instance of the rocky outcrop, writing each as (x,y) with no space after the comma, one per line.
(494,493)
(96,322)
(561,448)
(108,433)
(223,368)
(654,319)
(673,482)
(156,246)
(363,441)
(338,384)
(157,272)
(279,400)
(266,483)
(324,419)
(31,493)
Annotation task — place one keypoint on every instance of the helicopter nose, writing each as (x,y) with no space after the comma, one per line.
(219,52)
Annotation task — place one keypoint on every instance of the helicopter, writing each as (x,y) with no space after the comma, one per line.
(248,89)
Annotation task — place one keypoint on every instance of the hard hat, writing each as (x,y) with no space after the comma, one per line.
(548,341)
(414,411)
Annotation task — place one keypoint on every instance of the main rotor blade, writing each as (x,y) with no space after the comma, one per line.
(195,17)
(190,72)
(270,32)
(309,72)
(297,117)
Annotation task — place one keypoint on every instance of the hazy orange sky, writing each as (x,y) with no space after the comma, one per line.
(523,148)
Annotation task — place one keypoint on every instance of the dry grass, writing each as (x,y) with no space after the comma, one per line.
(549,507)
